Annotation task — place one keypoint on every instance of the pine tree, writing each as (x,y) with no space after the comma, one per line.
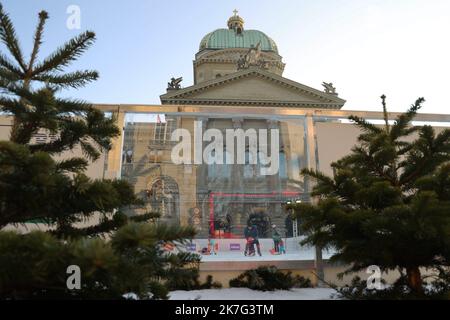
(34,265)
(32,184)
(388,201)
(35,186)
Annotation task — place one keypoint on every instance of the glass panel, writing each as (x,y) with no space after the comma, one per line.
(186,182)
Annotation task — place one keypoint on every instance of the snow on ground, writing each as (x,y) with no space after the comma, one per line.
(247,294)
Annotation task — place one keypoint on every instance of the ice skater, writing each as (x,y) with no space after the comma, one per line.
(282,247)
(250,247)
(251,235)
(276,237)
(212,246)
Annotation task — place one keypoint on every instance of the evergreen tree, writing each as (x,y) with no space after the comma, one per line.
(34,265)
(388,202)
(32,184)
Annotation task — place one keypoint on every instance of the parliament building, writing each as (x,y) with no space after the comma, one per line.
(228,150)
(238,84)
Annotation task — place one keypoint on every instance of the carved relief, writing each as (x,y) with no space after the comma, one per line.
(235,54)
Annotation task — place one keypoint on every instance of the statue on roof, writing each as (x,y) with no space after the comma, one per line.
(174,84)
(329,88)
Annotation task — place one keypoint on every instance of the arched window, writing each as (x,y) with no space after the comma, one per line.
(163,196)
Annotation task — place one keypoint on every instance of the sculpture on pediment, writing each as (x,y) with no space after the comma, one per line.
(253,55)
(174,84)
(241,62)
(252,59)
(329,88)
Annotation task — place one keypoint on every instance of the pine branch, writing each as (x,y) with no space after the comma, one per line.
(74,80)
(442,140)
(145,217)
(318,176)
(71,131)
(93,136)
(107,225)
(12,105)
(73,106)
(325,184)
(89,150)
(101,129)
(428,153)
(8,82)
(9,66)
(7,79)
(404,147)
(364,125)
(360,155)
(66,54)
(398,129)
(9,38)
(143,235)
(43,16)
(72,165)
(385,113)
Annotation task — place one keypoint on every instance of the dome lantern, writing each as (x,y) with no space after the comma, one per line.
(236,23)
(222,51)
(235,36)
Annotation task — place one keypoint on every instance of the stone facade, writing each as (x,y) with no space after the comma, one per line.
(202,194)
(241,67)
(213,64)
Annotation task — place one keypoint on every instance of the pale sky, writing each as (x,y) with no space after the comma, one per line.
(366,48)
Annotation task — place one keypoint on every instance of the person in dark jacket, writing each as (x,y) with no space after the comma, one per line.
(276,237)
(251,232)
(249,245)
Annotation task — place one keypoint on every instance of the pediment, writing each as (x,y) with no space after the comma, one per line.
(253,87)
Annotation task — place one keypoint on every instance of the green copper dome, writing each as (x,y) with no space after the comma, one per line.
(229,38)
(236,37)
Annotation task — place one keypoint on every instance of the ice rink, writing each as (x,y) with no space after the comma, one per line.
(233,250)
